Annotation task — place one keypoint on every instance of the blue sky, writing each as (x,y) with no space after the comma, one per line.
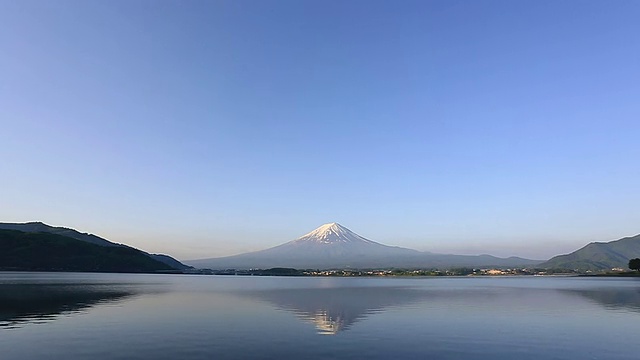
(208,128)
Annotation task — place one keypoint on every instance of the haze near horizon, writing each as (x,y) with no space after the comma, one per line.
(204,129)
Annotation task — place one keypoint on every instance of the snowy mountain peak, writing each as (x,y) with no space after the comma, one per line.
(333,233)
(330,228)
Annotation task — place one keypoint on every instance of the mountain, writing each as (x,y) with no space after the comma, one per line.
(41,251)
(334,246)
(37,227)
(598,255)
(335,240)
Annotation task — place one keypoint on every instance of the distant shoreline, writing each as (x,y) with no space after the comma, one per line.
(624,274)
(287,272)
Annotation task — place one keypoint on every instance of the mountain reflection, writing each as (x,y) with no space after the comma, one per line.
(335,309)
(36,303)
(613,299)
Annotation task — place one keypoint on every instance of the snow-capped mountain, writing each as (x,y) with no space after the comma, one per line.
(336,241)
(332,233)
(332,246)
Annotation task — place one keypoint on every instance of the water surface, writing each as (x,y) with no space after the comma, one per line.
(124,316)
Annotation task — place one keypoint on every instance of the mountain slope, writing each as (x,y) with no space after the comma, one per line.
(598,255)
(335,240)
(36,227)
(42,251)
(334,246)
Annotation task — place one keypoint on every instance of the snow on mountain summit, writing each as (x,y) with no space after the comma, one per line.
(333,233)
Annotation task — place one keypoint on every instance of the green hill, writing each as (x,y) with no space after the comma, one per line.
(598,256)
(24,251)
(35,227)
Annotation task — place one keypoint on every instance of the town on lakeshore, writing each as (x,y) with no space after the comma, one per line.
(409,272)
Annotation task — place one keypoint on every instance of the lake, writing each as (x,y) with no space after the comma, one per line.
(125,316)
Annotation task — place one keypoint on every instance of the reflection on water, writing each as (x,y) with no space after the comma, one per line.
(612,299)
(37,303)
(140,317)
(335,309)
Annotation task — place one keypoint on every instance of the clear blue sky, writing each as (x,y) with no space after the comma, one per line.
(207,128)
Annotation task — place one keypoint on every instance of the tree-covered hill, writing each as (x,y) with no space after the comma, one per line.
(35,227)
(51,252)
(598,255)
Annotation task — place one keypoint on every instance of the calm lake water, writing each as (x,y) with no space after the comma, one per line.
(122,316)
